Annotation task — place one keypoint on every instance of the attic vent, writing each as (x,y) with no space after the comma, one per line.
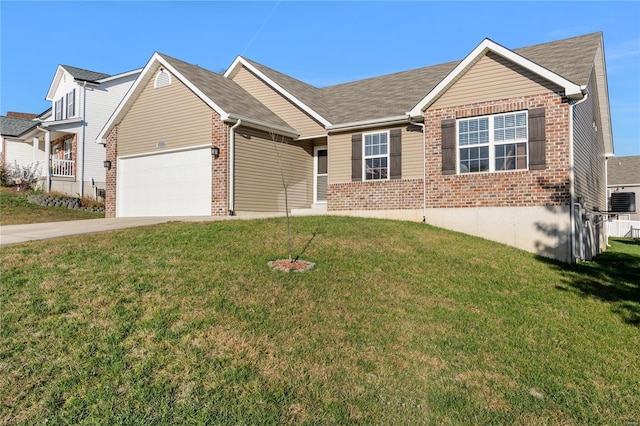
(162,79)
(623,202)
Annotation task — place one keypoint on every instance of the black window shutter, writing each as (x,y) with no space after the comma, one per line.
(537,139)
(356,157)
(448,128)
(395,154)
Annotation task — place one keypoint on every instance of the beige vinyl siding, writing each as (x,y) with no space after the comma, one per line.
(412,152)
(339,147)
(589,155)
(492,78)
(171,114)
(281,106)
(258,181)
(339,151)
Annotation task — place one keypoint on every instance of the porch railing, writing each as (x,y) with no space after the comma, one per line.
(62,168)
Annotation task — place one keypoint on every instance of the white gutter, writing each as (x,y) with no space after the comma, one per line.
(356,125)
(231,167)
(424,168)
(262,125)
(572,195)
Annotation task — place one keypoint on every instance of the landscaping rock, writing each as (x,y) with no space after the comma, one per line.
(74,203)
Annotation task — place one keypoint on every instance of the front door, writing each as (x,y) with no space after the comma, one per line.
(320,175)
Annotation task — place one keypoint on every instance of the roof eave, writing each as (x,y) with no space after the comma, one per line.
(122,75)
(365,124)
(262,125)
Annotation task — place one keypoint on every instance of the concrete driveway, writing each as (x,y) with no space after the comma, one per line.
(15,234)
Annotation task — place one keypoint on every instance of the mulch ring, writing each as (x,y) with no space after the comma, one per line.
(286,265)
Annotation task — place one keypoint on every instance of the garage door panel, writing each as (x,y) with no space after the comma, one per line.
(172,184)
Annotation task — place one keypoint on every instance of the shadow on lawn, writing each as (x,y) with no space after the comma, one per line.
(612,277)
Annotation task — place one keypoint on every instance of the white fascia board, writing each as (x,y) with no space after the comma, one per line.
(54,83)
(122,75)
(379,122)
(154,63)
(48,124)
(572,90)
(240,61)
(262,125)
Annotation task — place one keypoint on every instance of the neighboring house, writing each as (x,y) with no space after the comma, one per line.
(624,176)
(509,145)
(16,129)
(82,101)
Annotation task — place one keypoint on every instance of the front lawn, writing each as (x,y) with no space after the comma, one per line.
(16,210)
(399,323)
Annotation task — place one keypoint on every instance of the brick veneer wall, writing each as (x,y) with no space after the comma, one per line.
(219,167)
(548,187)
(524,188)
(375,195)
(112,174)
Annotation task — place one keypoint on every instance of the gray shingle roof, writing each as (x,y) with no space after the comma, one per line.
(10,126)
(84,75)
(572,58)
(226,93)
(395,94)
(386,96)
(309,95)
(624,170)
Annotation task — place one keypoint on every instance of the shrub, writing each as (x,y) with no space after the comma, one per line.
(4,176)
(24,177)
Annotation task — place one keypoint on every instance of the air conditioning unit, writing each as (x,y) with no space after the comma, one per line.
(623,202)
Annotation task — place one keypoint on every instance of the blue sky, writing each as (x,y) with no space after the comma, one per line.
(320,43)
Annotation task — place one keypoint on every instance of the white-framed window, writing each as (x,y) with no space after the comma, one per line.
(67,149)
(71,103)
(59,106)
(376,156)
(493,143)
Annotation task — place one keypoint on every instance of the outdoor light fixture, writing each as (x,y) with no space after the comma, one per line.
(215,151)
(107,164)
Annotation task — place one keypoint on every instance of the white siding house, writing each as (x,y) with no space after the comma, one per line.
(81,102)
(62,139)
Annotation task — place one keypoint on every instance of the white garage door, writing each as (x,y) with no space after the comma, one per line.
(173,184)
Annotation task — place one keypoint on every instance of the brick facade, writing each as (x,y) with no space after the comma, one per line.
(112,155)
(521,188)
(219,167)
(375,195)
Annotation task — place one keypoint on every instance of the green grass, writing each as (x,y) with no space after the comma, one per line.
(16,210)
(399,323)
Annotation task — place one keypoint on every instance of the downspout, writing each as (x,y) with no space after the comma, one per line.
(232,166)
(84,131)
(424,168)
(606,200)
(572,195)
